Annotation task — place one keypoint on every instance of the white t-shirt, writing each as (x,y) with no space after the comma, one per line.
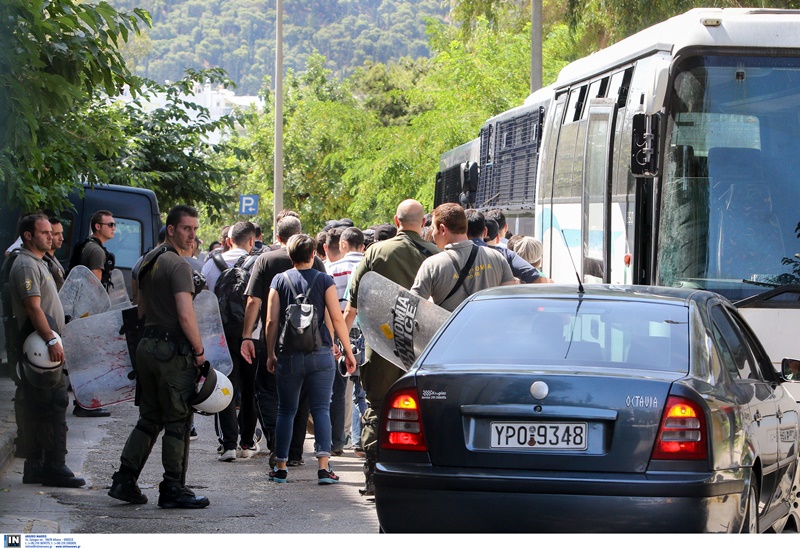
(212,272)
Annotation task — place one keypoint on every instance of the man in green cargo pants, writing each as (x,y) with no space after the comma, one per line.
(167,359)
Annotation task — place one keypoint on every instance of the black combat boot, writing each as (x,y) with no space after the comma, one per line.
(60,475)
(369,470)
(173,495)
(33,473)
(124,487)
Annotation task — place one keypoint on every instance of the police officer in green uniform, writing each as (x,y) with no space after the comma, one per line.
(42,436)
(398,259)
(167,361)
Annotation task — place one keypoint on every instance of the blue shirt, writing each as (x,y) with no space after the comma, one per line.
(316,295)
(523,270)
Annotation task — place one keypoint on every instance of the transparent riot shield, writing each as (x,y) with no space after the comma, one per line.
(98,358)
(206,308)
(82,294)
(397,324)
(118,292)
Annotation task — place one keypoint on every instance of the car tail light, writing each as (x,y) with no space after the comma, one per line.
(683,431)
(402,424)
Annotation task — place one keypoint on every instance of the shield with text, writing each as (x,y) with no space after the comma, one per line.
(397,324)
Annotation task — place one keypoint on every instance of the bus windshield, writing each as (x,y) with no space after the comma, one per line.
(730,191)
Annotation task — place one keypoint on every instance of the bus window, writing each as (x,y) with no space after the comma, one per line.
(577,97)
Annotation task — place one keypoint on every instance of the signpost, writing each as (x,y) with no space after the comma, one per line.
(248,204)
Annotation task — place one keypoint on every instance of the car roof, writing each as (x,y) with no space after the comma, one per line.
(661,294)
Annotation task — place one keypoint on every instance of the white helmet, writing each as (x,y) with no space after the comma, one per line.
(39,369)
(214,393)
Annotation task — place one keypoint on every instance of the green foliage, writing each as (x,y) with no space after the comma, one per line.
(612,20)
(53,56)
(239,35)
(166,149)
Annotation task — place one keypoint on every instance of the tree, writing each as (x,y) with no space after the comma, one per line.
(53,56)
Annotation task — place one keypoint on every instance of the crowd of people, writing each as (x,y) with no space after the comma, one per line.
(279,378)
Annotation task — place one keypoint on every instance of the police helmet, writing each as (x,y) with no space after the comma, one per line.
(38,368)
(214,392)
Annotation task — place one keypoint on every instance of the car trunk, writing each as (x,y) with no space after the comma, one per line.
(593,421)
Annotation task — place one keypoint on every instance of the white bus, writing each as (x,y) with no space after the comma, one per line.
(673,158)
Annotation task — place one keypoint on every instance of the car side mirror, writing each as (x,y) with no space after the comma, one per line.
(790,368)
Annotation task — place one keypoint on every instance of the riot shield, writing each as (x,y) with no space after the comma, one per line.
(397,324)
(82,294)
(99,362)
(118,293)
(206,308)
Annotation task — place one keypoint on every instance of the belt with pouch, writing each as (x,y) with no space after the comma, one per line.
(182,345)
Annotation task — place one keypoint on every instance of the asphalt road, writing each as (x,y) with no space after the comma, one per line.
(242,499)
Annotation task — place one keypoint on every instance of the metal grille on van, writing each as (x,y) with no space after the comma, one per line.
(509,160)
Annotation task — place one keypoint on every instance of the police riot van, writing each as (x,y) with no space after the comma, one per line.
(135,212)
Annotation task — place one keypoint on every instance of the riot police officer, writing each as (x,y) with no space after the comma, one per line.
(42,436)
(167,360)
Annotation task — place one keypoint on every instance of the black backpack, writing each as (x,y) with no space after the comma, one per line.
(13,341)
(229,290)
(300,332)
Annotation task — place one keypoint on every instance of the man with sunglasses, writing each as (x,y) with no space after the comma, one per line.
(92,254)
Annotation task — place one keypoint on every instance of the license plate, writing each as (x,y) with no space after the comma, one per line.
(545,436)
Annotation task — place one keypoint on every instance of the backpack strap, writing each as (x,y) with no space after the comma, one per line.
(219,262)
(463,273)
(145,268)
(291,284)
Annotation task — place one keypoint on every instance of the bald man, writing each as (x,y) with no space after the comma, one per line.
(398,259)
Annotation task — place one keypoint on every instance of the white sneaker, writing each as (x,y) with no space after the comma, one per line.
(248,452)
(228,455)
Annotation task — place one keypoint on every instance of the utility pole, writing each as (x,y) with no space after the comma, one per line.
(278,161)
(536,45)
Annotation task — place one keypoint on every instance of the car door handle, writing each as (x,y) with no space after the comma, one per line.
(757,417)
(779,414)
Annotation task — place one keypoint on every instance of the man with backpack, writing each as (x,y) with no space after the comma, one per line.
(226,275)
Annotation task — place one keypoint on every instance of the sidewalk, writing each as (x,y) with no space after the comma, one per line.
(8,432)
(8,425)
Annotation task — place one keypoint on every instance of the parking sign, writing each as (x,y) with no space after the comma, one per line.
(248,204)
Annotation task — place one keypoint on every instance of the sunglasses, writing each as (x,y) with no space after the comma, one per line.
(112,224)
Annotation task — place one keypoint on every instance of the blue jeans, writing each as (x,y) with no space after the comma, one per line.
(315,371)
(359,407)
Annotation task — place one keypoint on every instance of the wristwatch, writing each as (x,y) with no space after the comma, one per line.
(52,342)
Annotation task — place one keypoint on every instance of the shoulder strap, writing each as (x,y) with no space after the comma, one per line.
(291,284)
(219,262)
(464,271)
(292,288)
(145,268)
(423,250)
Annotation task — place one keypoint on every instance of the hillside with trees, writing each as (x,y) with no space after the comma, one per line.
(239,36)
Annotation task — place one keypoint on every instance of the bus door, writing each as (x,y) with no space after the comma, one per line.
(596,229)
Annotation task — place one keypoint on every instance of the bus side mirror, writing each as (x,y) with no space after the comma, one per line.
(790,368)
(644,144)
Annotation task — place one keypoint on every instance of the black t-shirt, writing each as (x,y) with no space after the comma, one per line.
(301,280)
(266,267)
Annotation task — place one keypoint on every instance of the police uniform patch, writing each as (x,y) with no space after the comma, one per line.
(28,284)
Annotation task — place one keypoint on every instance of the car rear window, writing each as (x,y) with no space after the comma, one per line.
(642,335)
